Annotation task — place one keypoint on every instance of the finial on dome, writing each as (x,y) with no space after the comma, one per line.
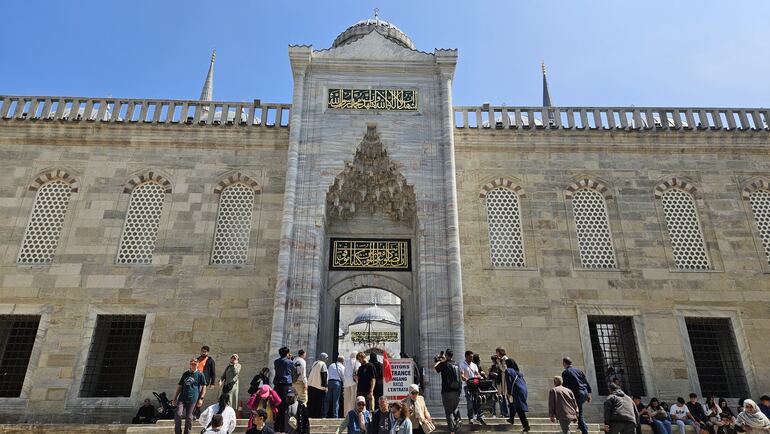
(542,66)
(377,14)
(207,93)
(546,91)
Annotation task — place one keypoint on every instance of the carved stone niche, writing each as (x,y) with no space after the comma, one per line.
(370,183)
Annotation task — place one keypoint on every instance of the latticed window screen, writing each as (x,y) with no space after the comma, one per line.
(17,337)
(760,206)
(616,354)
(717,361)
(112,358)
(506,247)
(684,230)
(45,223)
(142,221)
(593,229)
(231,238)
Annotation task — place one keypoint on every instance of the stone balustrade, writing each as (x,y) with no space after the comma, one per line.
(143,111)
(612,118)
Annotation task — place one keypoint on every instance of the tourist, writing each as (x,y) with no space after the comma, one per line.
(562,405)
(752,420)
(379,385)
(146,413)
(217,422)
(764,405)
(500,357)
(259,423)
(189,395)
(265,399)
(415,407)
(728,417)
(477,360)
(698,413)
(356,420)
(450,388)
(349,383)
(403,425)
(258,380)
(575,380)
(206,366)
(299,376)
(283,367)
(382,419)
(291,416)
(222,408)
(469,370)
(517,393)
(660,417)
(496,376)
(680,415)
(229,380)
(366,379)
(645,418)
(620,412)
(334,388)
(317,382)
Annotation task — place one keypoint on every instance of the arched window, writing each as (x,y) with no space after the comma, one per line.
(593,229)
(506,247)
(760,207)
(45,223)
(142,221)
(684,230)
(231,238)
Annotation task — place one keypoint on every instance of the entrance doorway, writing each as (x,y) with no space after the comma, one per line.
(369,320)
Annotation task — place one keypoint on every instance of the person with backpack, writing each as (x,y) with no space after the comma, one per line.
(450,388)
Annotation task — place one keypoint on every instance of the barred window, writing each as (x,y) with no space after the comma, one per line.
(717,361)
(760,206)
(616,354)
(45,223)
(506,247)
(684,230)
(17,338)
(113,355)
(593,229)
(231,238)
(142,221)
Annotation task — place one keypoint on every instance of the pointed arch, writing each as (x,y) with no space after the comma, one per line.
(147,176)
(236,178)
(589,183)
(676,182)
(41,237)
(502,200)
(501,182)
(145,207)
(754,185)
(232,235)
(596,247)
(52,174)
(683,223)
(757,193)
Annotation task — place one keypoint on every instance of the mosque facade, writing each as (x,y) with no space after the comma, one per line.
(635,240)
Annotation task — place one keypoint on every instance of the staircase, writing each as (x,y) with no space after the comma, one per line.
(538,425)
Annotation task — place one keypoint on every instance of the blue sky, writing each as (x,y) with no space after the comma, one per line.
(602,52)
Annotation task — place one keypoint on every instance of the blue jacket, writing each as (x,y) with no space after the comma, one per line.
(517,387)
(352,421)
(575,380)
(283,368)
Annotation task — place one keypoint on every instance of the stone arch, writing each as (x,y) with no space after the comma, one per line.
(147,176)
(501,182)
(54,174)
(236,178)
(676,182)
(588,183)
(753,185)
(369,280)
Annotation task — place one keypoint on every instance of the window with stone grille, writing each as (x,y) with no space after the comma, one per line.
(142,222)
(616,354)
(760,206)
(593,230)
(506,246)
(231,237)
(45,223)
(113,355)
(684,230)
(17,338)
(717,360)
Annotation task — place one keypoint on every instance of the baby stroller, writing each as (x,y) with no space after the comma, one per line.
(486,393)
(165,409)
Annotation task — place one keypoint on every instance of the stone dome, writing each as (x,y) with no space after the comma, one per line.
(364,27)
(374,313)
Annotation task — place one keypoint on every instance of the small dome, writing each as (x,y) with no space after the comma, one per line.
(374,313)
(364,27)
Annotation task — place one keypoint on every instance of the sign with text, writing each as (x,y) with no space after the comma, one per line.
(403,376)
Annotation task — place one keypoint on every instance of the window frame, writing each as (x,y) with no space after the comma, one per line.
(161,221)
(44,311)
(62,231)
(251,230)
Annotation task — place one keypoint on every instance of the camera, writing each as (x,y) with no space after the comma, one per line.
(439,357)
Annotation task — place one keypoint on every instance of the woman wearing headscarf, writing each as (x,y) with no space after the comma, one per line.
(229,380)
(517,393)
(223,408)
(415,407)
(752,420)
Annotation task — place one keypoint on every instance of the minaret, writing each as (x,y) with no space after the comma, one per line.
(546,92)
(207,93)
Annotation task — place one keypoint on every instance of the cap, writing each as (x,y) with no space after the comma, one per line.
(291,392)
(323,356)
(414,387)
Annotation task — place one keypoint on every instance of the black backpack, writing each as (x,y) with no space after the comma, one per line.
(452,372)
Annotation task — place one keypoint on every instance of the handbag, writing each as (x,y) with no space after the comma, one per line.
(661,414)
(427,426)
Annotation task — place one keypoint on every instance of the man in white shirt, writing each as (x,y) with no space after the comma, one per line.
(334,388)
(681,416)
(300,382)
(469,370)
(348,383)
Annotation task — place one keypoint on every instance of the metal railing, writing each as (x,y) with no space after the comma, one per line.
(144,111)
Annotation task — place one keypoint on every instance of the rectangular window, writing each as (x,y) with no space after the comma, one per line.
(112,358)
(616,355)
(17,337)
(719,367)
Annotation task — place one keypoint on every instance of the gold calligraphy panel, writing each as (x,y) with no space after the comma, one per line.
(372,337)
(373,99)
(380,255)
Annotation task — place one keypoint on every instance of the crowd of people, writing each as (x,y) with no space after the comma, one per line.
(352,389)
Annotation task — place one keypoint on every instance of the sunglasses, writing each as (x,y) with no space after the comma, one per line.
(361,404)
(414,392)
